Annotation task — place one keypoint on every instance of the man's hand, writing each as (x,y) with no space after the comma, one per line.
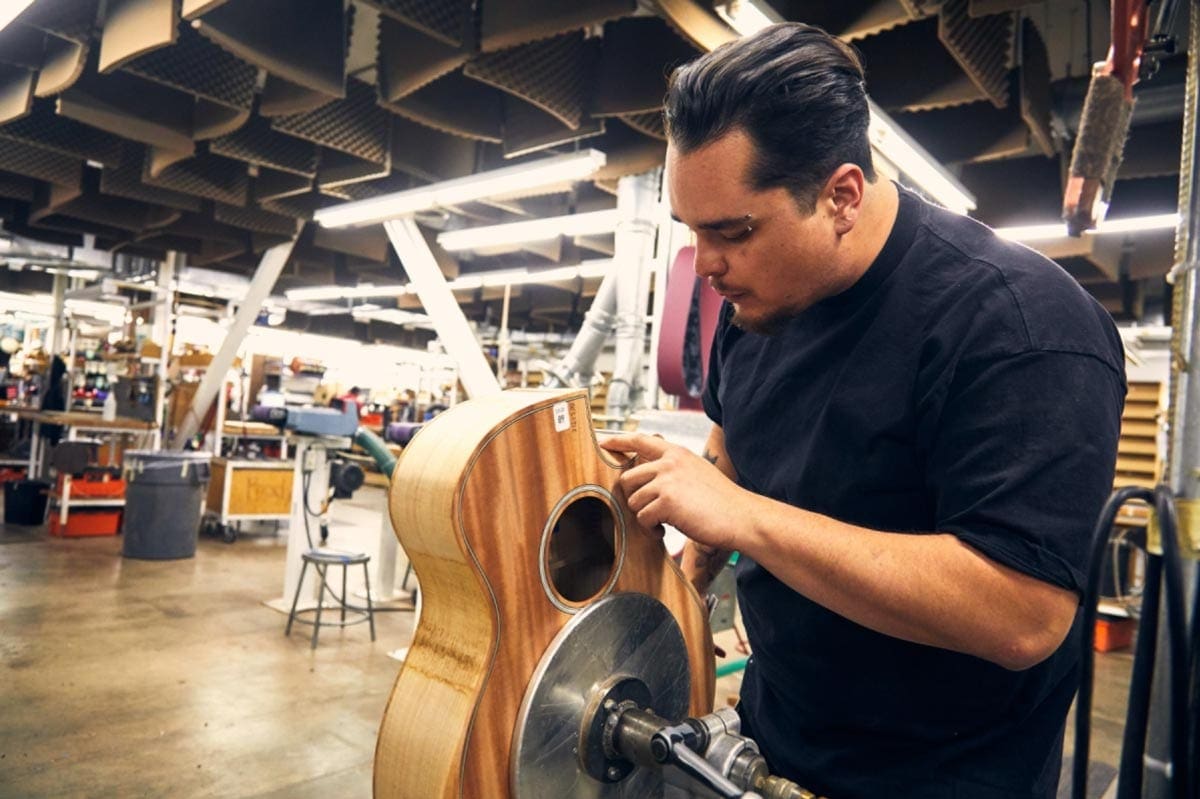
(670,485)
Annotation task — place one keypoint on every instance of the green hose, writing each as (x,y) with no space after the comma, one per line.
(377,449)
(732,667)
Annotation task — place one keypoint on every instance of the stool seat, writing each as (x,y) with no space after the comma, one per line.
(335,557)
(322,558)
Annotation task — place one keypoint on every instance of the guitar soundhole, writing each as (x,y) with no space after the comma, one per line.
(582,549)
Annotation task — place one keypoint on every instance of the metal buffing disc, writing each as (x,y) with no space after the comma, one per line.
(623,635)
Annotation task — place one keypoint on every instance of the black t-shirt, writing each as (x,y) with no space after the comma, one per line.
(964,385)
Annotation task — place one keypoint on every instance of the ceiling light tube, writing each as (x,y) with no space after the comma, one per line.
(11,9)
(497,182)
(364,291)
(747,16)
(587,224)
(1058,230)
(889,140)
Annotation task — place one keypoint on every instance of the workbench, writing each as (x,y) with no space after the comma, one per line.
(76,422)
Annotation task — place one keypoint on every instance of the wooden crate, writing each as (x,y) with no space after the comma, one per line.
(1139,458)
(256,488)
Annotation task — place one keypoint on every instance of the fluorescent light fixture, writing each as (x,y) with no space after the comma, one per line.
(587,270)
(497,182)
(1058,230)
(748,16)
(587,224)
(393,316)
(10,9)
(890,141)
(364,291)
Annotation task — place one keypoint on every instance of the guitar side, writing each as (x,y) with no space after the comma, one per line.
(519,460)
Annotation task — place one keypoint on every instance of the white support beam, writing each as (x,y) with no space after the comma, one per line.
(269,268)
(439,302)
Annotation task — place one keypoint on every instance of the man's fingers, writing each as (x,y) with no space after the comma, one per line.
(644,446)
(633,479)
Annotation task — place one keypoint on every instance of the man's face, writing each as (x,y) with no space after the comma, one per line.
(758,249)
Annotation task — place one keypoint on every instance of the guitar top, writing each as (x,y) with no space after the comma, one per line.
(513,520)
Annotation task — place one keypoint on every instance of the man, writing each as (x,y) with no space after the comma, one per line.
(915,429)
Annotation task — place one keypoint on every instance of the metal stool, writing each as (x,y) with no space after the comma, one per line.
(322,559)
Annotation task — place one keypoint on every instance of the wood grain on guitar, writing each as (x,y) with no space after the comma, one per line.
(512,518)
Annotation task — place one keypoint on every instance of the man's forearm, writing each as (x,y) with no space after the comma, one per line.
(927,588)
(701,565)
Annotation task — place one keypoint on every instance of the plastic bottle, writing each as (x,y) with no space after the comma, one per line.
(109,411)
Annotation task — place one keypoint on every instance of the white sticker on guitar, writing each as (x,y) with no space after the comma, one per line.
(562,417)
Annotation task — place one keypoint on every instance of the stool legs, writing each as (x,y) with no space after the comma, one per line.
(296,598)
(345,569)
(370,605)
(320,602)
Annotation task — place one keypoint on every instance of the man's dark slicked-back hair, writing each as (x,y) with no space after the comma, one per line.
(796,91)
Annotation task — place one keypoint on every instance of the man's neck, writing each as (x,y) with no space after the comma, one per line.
(881,203)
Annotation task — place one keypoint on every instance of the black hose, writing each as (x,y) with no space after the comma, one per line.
(1137,721)
(1194,710)
(1178,645)
(1090,609)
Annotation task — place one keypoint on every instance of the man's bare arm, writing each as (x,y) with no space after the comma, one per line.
(701,564)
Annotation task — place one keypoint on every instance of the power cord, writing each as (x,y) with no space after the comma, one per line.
(306,482)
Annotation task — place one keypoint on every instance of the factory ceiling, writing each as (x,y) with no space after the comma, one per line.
(216,128)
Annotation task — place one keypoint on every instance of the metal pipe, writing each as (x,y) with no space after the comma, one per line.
(577,365)
(637,200)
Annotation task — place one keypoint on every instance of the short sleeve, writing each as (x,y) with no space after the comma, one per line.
(1022,457)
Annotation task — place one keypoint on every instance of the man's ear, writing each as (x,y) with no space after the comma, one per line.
(844,192)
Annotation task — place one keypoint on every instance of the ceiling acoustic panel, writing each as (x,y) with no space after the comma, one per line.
(303,43)
(205,175)
(451,22)
(648,124)
(985,47)
(40,164)
(128,106)
(429,154)
(455,104)
(553,74)
(259,143)
(70,19)
(356,125)
(943,82)
(125,180)
(856,20)
(508,23)
(62,63)
(91,205)
(636,58)
(527,129)
(197,66)
(1037,95)
(41,127)
(271,184)
(16,91)
(254,219)
(16,187)
(134,27)
(408,59)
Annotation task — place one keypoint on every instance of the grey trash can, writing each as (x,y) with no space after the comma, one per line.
(164,499)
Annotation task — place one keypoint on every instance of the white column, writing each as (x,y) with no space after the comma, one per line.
(439,302)
(269,267)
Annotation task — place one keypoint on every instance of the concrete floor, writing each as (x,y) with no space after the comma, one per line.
(128,678)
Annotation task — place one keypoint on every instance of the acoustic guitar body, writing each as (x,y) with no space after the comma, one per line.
(513,521)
